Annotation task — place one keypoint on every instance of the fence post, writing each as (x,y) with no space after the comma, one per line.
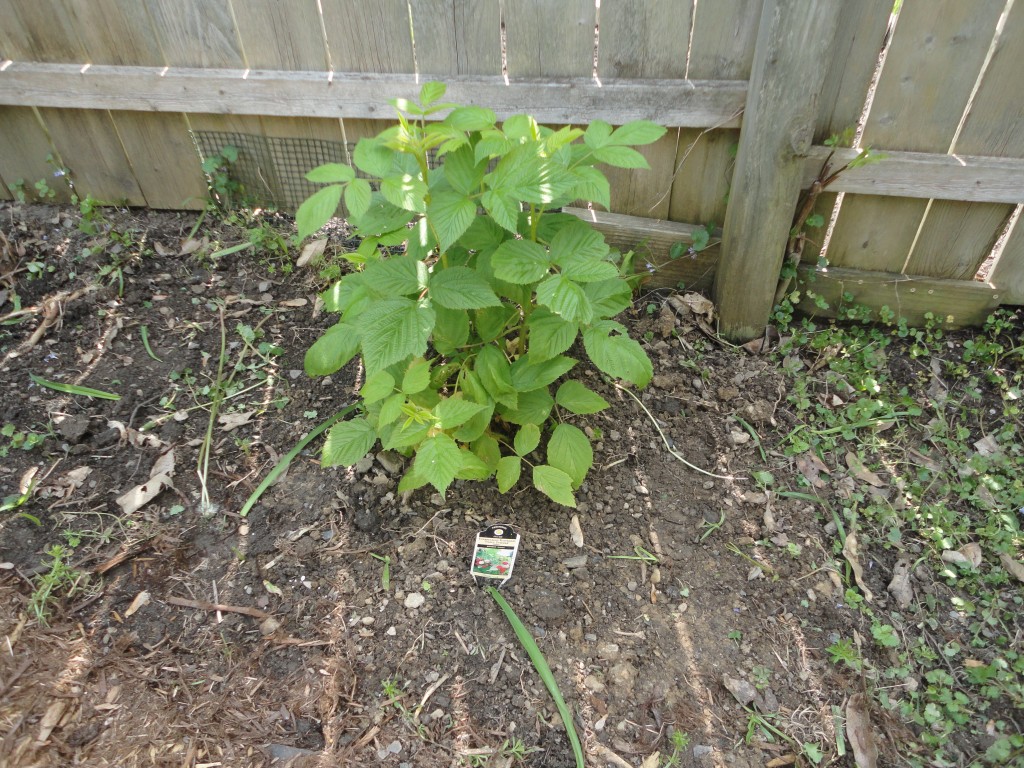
(790,63)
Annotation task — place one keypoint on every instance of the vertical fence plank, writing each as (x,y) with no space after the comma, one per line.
(778,125)
(933,62)
(456,37)
(957,237)
(550,38)
(158,145)
(853,60)
(369,37)
(87,140)
(722,48)
(1008,273)
(643,39)
(25,147)
(5,194)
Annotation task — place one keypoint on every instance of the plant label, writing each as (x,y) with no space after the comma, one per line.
(494,555)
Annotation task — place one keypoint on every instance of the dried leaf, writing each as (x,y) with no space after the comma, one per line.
(311,251)
(862,473)
(859,732)
(987,446)
(1015,568)
(272,588)
(140,600)
(164,465)
(141,495)
(899,587)
(161,249)
(953,557)
(973,554)
(190,246)
(653,760)
(810,466)
(230,421)
(853,558)
(575,531)
(51,718)
(293,303)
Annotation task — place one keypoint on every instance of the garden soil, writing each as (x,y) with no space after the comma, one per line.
(337,624)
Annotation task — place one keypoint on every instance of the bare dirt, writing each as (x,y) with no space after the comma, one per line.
(197,637)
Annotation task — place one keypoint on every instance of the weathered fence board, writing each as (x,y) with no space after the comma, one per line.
(957,237)
(457,37)
(1008,273)
(550,38)
(25,149)
(936,53)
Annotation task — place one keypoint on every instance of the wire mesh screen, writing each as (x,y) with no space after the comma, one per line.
(272,170)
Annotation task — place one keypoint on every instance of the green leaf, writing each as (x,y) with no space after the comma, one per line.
(347,443)
(488,450)
(395,275)
(381,217)
(393,330)
(331,173)
(461,288)
(529,374)
(621,157)
(618,356)
(450,214)
(494,372)
(555,484)
(504,208)
(405,191)
(484,234)
(569,450)
(417,376)
(520,261)
(597,134)
(476,425)
(451,330)
(576,398)
(493,143)
(590,184)
(411,480)
(372,157)
(377,387)
(73,389)
(453,412)
(464,172)
(509,470)
(357,196)
(431,92)
(637,132)
(473,467)
(566,298)
(408,434)
(609,297)
(534,407)
(577,239)
(317,209)
(438,459)
(333,350)
(550,334)
(391,409)
(471,118)
(492,321)
(527,439)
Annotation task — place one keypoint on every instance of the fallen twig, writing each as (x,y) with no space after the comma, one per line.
(202,605)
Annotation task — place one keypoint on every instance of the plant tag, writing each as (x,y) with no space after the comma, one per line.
(494,555)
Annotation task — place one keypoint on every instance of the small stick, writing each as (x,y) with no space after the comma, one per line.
(202,605)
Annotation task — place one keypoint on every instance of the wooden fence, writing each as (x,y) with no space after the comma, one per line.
(122,94)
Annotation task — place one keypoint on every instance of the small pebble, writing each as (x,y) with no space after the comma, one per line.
(414,600)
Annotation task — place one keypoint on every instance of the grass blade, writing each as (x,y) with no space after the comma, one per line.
(541,665)
(144,335)
(282,465)
(74,389)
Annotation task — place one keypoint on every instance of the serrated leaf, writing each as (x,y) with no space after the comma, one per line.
(495,374)
(621,157)
(578,399)
(475,427)
(597,134)
(471,118)
(357,197)
(391,409)
(461,288)
(533,407)
(405,191)
(493,143)
(394,330)
(555,484)
(377,387)
(450,214)
(509,470)
(317,209)
(333,350)
(403,435)
(416,377)
(504,208)
(577,239)
(473,467)
(451,330)
(609,297)
(550,334)
(431,92)
(492,321)
(372,157)
(410,481)
(520,261)
(527,439)
(529,374)
(566,298)
(331,173)
(569,450)
(484,234)
(590,184)
(637,132)
(347,443)
(488,450)
(463,171)
(395,276)
(381,217)
(618,356)
(453,412)
(438,459)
